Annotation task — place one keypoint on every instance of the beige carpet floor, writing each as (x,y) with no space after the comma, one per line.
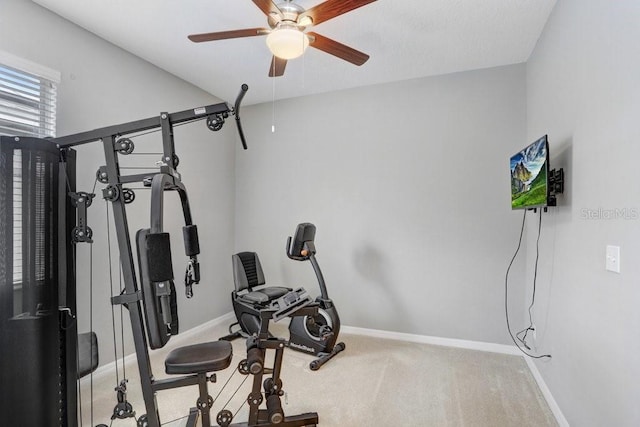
(374,382)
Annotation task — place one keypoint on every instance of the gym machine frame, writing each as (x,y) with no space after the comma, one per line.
(114,144)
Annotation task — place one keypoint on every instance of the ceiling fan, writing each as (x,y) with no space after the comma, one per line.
(286,36)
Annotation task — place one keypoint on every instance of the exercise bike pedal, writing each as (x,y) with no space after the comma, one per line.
(232,336)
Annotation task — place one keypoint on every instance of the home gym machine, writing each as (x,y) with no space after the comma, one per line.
(316,334)
(39,334)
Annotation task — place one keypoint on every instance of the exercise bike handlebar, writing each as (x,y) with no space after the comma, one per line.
(289,252)
(243,90)
(304,249)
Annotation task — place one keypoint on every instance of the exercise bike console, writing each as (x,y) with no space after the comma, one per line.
(289,303)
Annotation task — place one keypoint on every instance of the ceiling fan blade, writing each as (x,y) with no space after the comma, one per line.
(267,7)
(234,34)
(277,66)
(332,8)
(340,50)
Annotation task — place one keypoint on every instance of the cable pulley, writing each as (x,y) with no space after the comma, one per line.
(128,196)
(102,176)
(111,193)
(143,421)
(82,234)
(165,161)
(123,409)
(243,368)
(224,418)
(215,122)
(124,146)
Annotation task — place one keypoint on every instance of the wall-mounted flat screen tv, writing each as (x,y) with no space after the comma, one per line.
(529,176)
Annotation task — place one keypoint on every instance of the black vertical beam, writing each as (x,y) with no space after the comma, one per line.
(168,145)
(67,289)
(131,286)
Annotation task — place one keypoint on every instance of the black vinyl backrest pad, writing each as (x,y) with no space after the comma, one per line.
(158,249)
(158,333)
(247,271)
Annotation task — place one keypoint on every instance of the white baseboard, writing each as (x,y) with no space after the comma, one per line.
(422,339)
(471,345)
(553,405)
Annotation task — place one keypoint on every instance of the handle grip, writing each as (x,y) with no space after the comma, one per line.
(243,90)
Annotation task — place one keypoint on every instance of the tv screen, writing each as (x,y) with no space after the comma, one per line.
(529,171)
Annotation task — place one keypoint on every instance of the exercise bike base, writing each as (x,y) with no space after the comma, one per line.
(325,357)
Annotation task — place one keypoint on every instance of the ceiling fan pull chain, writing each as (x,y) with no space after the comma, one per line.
(273,104)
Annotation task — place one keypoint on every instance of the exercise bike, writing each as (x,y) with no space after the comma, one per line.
(313,334)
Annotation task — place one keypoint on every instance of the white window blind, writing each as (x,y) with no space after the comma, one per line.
(27,103)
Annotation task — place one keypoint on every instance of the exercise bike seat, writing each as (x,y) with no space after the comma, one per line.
(249,280)
(199,358)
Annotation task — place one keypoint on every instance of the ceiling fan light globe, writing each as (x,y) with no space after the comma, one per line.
(287,43)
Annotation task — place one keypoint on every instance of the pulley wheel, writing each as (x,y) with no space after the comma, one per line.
(224,418)
(102,176)
(215,123)
(80,236)
(125,146)
(143,421)
(128,196)
(243,368)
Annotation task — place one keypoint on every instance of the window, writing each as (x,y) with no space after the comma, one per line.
(27,98)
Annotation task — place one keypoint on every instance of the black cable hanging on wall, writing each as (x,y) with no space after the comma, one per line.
(506,292)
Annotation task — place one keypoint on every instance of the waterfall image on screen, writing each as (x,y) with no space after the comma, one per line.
(529,176)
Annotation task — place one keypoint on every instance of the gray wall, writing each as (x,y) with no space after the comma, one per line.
(408,185)
(583,89)
(103,85)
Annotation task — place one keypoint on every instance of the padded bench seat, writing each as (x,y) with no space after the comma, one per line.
(199,358)
(265,295)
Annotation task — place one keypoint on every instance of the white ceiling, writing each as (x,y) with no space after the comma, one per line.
(405,39)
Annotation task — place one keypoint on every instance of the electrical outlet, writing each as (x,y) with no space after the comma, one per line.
(613,259)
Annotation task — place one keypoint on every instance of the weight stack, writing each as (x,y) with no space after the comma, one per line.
(34,367)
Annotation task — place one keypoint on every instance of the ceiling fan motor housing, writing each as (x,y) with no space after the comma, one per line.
(290,12)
